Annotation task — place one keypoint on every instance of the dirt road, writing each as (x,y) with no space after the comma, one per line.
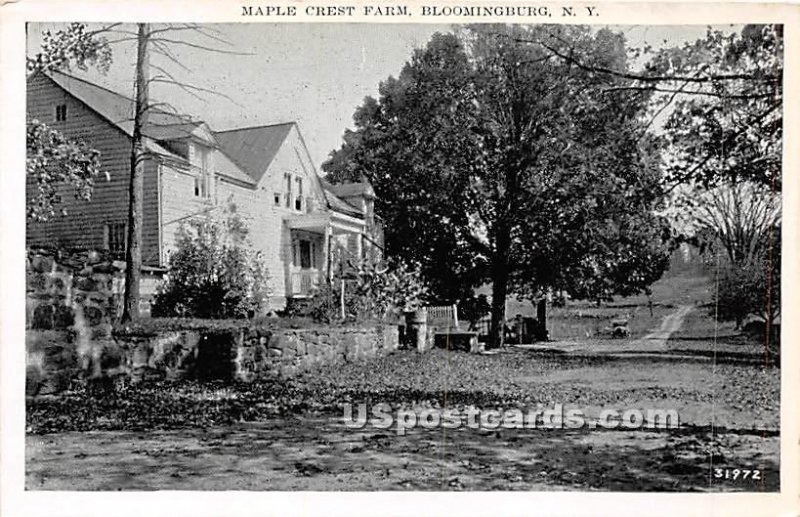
(653,343)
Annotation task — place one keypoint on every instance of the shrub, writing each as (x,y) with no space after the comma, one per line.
(214,273)
(373,290)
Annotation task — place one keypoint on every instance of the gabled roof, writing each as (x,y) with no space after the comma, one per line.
(254,148)
(245,153)
(337,203)
(162,125)
(118,109)
(340,205)
(345,190)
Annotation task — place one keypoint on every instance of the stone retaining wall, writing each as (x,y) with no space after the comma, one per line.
(55,358)
(79,290)
(74,299)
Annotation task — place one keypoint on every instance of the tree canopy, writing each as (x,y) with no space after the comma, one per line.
(495,160)
(729,127)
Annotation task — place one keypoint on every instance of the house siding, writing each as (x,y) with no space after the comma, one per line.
(84,226)
(169,192)
(270,233)
(178,203)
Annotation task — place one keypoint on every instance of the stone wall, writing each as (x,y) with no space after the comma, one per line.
(55,358)
(73,290)
(285,352)
(73,301)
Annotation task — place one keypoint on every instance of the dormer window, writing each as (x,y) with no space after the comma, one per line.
(61,113)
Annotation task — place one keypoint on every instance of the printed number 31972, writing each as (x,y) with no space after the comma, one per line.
(736,474)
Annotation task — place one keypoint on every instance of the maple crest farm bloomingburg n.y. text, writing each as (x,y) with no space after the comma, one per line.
(521,11)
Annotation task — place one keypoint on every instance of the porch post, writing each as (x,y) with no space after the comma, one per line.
(326,250)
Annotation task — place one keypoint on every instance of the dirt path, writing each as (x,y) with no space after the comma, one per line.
(653,343)
(656,341)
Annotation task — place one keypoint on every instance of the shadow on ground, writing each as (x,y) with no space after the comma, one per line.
(323,454)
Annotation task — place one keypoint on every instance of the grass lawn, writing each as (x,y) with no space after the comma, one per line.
(580,320)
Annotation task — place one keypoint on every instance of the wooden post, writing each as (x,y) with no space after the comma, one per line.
(541,317)
(341,279)
(417,326)
(326,243)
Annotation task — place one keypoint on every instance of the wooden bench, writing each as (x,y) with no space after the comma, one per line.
(445,332)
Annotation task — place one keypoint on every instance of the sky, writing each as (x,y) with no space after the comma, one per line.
(315,74)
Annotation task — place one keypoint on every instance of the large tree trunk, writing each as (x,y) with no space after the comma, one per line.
(500,274)
(133,253)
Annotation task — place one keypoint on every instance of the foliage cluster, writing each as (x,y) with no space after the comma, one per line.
(213,272)
(749,287)
(373,289)
(54,162)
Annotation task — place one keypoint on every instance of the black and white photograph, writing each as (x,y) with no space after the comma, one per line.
(528,256)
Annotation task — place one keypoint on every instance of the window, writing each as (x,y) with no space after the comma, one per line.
(298,202)
(202,184)
(61,112)
(277,199)
(115,237)
(288,178)
(203,180)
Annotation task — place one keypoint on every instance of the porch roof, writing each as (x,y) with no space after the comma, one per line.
(318,222)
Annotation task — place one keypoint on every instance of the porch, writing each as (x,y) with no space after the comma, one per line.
(315,240)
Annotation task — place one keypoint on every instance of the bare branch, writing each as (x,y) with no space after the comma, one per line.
(188,88)
(200,47)
(646,78)
(653,88)
(163,50)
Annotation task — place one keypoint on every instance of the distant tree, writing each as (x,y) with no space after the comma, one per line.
(749,287)
(495,160)
(740,219)
(739,226)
